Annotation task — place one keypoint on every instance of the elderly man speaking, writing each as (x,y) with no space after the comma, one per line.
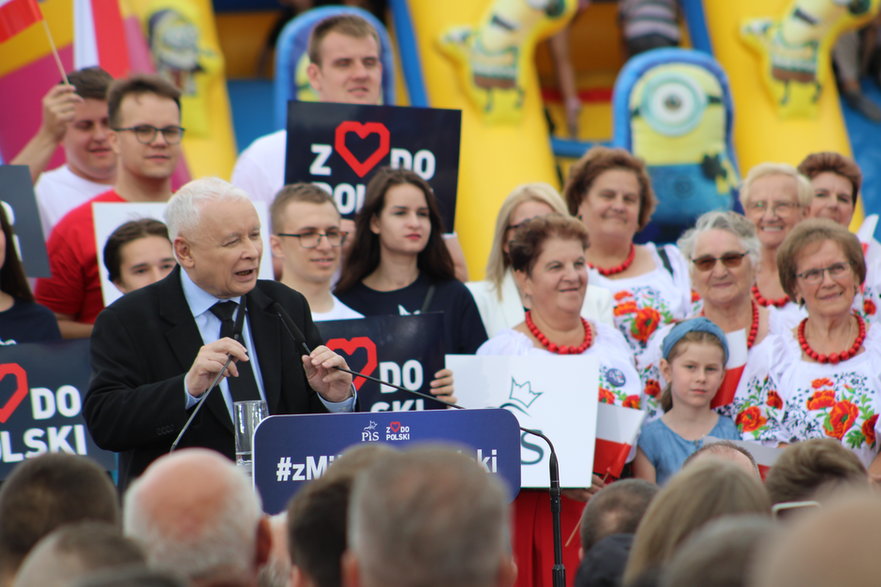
(156,351)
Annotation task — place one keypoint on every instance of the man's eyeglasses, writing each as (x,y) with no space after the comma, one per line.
(310,240)
(707,262)
(146,133)
(776,207)
(816,275)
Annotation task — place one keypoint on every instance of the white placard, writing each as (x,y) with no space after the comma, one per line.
(554,394)
(110,215)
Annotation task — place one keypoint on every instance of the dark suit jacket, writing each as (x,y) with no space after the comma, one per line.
(144,344)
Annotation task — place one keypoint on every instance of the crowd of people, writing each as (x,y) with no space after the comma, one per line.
(757,326)
(430,516)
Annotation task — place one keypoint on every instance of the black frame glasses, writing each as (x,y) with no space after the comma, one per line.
(146,133)
(730,260)
(308,243)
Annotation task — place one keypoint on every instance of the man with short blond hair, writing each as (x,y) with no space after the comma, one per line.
(307,237)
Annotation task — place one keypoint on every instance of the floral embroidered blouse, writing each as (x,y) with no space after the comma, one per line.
(798,399)
(643,303)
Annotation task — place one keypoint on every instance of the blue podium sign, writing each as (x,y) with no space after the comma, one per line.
(291,450)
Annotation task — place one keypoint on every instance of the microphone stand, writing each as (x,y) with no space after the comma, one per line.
(559,570)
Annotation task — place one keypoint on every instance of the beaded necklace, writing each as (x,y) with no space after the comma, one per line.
(834,358)
(606,271)
(763,301)
(555,348)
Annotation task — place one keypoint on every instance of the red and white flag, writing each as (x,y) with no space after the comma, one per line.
(737,355)
(16,16)
(617,431)
(99,37)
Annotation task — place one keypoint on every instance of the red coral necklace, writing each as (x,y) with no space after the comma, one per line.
(753,327)
(555,348)
(834,358)
(765,302)
(606,271)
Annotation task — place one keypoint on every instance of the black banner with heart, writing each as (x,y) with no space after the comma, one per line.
(404,350)
(42,387)
(339,146)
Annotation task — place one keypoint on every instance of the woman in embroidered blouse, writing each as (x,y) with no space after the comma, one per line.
(500,303)
(823,378)
(775,197)
(548,258)
(836,180)
(610,191)
(723,252)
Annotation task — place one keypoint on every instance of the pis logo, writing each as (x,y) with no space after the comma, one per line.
(369,433)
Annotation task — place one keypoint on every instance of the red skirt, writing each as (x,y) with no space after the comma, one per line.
(534,537)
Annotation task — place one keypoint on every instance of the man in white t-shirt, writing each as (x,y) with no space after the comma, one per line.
(75,117)
(345,67)
(307,238)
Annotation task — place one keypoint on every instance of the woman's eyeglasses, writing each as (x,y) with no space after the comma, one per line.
(707,262)
(816,275)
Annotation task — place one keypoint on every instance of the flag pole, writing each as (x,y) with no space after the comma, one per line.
(55,51)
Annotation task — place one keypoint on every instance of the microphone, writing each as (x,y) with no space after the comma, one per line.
(558,571)
(237,335)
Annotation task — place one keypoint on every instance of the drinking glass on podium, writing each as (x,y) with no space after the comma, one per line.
(247,415)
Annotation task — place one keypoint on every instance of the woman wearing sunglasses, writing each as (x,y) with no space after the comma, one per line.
(823,379)
(723,253)
(610,191)
(775,197)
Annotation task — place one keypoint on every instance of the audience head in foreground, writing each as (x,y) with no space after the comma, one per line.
(317,518)
(615,509)
(726,450)
(696,495)
(75,551)
(196,515)
(831,546)
(721,553)
(813,468)
(44,493)
(428,517)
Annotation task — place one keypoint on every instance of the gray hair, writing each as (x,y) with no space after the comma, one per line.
(220,545)
(430,517)
(732,222)
(804,191)
(183,210)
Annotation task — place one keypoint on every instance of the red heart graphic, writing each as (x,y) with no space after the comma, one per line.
(362,130)
(20,392)
(349,346)
(395,426)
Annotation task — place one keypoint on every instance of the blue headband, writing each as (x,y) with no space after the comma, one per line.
(693,325)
